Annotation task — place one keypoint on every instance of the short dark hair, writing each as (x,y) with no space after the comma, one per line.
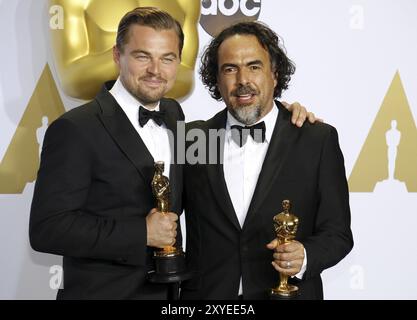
(281,64)
(150,17)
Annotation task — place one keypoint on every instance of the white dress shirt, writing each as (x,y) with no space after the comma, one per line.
(155,137)
(242,166)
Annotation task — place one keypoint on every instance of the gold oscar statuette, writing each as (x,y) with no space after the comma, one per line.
(161,190)
(170,264)
(285,225)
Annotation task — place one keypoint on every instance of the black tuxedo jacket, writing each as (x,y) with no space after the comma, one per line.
(91,198)
(304,165)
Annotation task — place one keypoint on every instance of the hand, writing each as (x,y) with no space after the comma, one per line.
(161,228)
(288,257)
(299,114)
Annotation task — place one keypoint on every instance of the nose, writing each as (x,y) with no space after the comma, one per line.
(242,76)
(153,67)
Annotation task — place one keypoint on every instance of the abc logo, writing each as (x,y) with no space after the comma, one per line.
(219,14)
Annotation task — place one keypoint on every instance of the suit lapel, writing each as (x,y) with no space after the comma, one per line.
(281,141)
(215,171)
(124,134)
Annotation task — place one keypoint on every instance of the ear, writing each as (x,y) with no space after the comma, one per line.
(116,56)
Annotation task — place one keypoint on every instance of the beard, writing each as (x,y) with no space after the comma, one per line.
(148,96)
(247,115)
(143,94)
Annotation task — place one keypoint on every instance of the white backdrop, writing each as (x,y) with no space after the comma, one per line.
(347,53)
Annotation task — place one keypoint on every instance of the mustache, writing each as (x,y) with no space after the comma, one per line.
(152,78)
(242,90)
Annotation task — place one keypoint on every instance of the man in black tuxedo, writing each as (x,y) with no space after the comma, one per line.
(93,202)
(262,159)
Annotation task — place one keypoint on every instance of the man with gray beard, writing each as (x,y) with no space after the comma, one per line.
(261,159)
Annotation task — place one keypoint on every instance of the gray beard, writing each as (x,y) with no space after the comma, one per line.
(247,115)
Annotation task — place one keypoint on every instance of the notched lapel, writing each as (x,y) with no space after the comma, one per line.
(216,174)
(125,135)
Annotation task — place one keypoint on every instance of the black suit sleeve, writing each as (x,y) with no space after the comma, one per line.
(181,116)
(332,239)
(58,222)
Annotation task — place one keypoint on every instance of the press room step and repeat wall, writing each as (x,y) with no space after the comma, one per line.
(356,68)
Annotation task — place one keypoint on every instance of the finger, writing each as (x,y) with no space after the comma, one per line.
(311,117)
(295,245)
(295,260)
(285,264)
(288,272)
(166,226)
(168,236)
(169,242)
(292,256)
(283,248)
(273,244)
(282,256)
(172,216)
(277,256)
(295,112)
(301,117)
(290,246)
(288,263)
(275,265)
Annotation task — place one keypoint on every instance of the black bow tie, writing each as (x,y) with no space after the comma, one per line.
(145,115)
(240,134)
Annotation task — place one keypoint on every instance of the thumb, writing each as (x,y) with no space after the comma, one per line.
(273,244)
(152,213)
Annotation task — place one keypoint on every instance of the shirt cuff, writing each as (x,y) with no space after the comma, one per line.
(303,267)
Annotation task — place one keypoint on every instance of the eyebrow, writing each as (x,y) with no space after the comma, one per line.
(250,63)
(227,65)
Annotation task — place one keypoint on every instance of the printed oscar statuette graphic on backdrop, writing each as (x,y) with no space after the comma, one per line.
(83,48)
(387,161)
(285,225)
(169,261)
(82,52)
(21,160)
